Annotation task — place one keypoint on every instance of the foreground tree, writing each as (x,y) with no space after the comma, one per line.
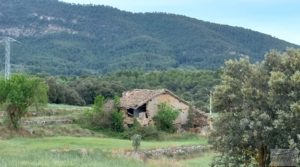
(19,93)
(259,107)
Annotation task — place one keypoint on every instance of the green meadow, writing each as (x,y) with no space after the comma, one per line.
(88,152)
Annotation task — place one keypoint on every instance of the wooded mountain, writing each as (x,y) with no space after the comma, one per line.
(68,39)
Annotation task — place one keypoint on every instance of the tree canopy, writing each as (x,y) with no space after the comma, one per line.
(20,92)
(259,107)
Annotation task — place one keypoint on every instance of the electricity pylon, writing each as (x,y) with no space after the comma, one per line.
(7,41)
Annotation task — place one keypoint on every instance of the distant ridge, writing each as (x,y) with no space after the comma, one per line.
(67,39)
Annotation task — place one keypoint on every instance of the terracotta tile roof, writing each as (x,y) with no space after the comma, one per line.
(137,97)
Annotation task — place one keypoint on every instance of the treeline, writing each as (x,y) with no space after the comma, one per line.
(193,86)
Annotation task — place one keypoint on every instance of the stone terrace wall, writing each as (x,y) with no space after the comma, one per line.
(172,152)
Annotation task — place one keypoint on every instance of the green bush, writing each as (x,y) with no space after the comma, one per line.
(116,119)
(136,141)
(97,118)
(147,133)
(95,121)
(101,120)
(165,118)
(98,104)
(150,133)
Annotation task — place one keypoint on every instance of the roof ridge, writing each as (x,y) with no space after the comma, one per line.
(142,96)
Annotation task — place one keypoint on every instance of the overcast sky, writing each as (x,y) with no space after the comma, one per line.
(279,18)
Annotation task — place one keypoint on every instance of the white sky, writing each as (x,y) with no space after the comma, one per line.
(279,18)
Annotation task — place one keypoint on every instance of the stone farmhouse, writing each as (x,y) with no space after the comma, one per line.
(142,105)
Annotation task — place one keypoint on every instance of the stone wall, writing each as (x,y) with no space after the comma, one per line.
(47,121)
(173,152)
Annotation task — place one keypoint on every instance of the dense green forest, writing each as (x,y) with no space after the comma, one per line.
(67,39)
(193,86)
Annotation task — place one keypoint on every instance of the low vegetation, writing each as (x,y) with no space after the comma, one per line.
(165,117)
(136,141)
(90,148)
(86,152)
(99,118)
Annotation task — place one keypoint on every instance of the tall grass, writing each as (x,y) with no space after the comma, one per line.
(73,158)
(66,151)
(87,142)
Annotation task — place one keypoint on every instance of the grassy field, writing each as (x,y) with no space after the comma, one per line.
(85,151)
(91,149)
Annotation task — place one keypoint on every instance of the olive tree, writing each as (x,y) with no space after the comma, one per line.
(19,93)
(259,107)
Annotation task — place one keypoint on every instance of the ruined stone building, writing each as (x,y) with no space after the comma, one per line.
(142,105)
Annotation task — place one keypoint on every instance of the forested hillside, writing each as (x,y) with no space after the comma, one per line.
(66,39)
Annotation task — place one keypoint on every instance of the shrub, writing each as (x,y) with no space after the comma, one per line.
(150,133)
(191,117)
(101,120)
(136,141)
(116,119)
(147,133)
(165,117)
(97,118)
(98,104)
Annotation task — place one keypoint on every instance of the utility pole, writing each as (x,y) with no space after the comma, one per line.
(210,102)
(210,120)
(7,41)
